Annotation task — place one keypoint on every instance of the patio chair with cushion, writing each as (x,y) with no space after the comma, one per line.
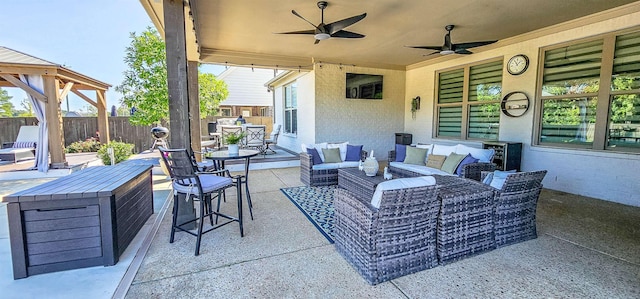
(188,182)
(392,234)
(23,148)
(273,140)
(516,203)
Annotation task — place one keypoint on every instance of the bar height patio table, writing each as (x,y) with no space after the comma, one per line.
(223,156)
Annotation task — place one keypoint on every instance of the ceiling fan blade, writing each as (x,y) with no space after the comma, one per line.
(437,48)
(434,53)
(463,51)
(299,16)
(473,44)
(347,34)
(312,32)
(339,25)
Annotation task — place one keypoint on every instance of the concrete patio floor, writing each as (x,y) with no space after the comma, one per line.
(586,248)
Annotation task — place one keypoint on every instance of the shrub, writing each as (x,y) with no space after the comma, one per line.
(83,147)
(122,151)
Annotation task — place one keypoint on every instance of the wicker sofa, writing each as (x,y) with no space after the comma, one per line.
(323,174)
(414,228)
(470,171)
(410,231)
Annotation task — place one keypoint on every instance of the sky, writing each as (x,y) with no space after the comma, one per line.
(87,36)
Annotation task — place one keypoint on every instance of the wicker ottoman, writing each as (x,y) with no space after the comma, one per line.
(356,182)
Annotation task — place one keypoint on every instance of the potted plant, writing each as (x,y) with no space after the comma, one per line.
(415,106)
(232,140)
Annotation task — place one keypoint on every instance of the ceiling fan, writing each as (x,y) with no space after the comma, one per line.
(450,48)
(324,31)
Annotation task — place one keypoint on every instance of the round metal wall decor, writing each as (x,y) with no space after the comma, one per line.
(515,104)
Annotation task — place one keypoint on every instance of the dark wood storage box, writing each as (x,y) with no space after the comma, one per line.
(87,218)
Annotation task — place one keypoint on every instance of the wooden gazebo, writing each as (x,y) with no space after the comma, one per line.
(58,82)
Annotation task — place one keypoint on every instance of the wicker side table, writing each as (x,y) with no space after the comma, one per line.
(356,182)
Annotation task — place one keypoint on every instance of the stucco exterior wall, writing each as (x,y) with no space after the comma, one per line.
(372,123)
(600,174)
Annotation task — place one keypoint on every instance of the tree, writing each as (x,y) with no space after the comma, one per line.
(6,107)
(211,92)
(89,110)
(123,110)
(145,84)
(27,108)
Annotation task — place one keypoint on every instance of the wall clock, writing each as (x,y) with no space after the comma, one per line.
(518,64)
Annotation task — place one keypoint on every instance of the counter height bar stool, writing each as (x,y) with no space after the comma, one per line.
(200,187)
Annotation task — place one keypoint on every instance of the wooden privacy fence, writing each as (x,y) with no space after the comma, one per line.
(81,128)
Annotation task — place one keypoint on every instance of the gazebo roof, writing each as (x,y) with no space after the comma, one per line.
(58,82)
(16,62)
(16,57)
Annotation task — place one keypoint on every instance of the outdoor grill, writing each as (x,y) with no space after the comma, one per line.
(160,135)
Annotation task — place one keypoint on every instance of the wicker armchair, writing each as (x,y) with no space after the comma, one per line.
(516,203)
(319,177)
(395,240)
(470,171)
(465,220)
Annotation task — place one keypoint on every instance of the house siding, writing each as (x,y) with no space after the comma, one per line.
(246,87)
(599,174)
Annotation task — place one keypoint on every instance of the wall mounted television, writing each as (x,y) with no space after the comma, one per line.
(363,86)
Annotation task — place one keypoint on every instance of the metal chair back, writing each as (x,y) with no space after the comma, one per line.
(255,136)
(181,166)
(225,131)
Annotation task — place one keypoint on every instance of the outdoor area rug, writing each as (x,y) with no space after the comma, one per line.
(317,204)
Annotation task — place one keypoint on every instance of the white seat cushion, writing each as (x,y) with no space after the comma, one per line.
(12,150)
(325,166)
(400,184)
(210,183)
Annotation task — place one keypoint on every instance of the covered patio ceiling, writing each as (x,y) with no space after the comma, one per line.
(242,32)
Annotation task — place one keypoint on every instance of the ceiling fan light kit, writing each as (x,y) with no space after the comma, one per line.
(450,48)
(322,36)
